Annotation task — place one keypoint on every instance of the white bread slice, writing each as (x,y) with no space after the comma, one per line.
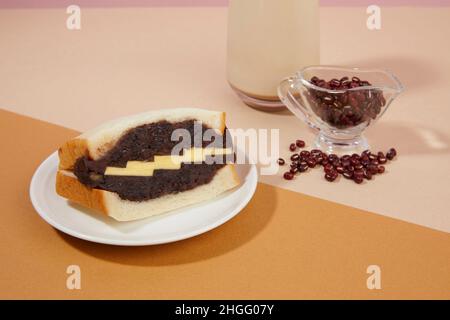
(109,203)
(96,142)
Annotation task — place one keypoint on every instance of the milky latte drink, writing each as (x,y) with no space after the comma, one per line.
(269,40)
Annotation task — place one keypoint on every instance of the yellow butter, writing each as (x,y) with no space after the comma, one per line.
(135,171)
(169,162)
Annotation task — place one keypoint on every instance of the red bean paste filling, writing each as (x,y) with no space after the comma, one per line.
(142,143)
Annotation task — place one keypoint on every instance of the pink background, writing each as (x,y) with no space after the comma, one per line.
(161,3)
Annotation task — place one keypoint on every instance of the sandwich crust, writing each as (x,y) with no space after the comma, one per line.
(70,151)
(68,186)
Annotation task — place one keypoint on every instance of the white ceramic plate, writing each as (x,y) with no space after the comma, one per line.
(173,226)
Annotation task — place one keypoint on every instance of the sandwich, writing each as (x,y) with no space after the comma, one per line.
(147,164)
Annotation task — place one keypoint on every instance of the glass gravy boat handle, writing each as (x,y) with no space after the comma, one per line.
(291,93)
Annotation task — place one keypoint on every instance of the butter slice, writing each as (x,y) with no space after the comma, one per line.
(169,162)
(136,168)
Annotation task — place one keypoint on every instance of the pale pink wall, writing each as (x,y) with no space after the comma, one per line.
(145,3)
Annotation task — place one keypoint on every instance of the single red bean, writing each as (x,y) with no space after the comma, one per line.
(392,150)
(300,143)
(346,163)
(294,170)
(288,175)
(365,162)
(335,82)
(332,157)
(303,167)
(292,147)
(358,173)
(391,154)
(311,163)
(348,174)
(372,168)
(354,161)
(304,154)
(358,179)
(281,161)
(319,159)
(336,163)
(364,157)
(331,176)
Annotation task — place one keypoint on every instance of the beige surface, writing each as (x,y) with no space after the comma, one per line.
(129,60)
(309,248)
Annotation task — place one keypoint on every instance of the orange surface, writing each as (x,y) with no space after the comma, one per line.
(282,245)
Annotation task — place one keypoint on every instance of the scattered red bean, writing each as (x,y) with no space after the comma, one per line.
(356,167)
(346,163)
(311,163)
(304,154)
(303,167)
(294,170)
(372,168)
(358,179)
(336,163)
(373,156)
(292,147)
(288,175)
(348,174)
(332,157)
(358,173)
(331,176)
(391,154)
(300,143)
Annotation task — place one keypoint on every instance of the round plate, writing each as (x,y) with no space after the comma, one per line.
(172,226)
